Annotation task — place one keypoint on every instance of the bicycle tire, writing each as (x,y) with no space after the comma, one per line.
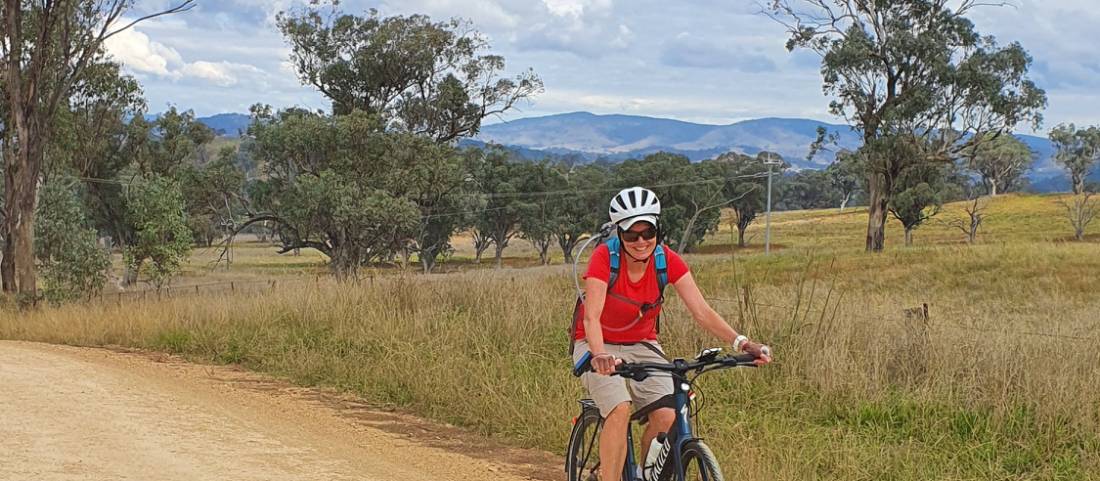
(698,459)
(582,457)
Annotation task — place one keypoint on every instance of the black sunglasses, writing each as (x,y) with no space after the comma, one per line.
(632,236)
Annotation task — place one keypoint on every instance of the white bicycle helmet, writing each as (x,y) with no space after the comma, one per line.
(634,205)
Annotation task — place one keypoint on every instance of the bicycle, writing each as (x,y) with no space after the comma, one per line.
(681,450)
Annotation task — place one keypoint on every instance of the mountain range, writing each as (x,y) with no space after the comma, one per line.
(588,137)
(617,137)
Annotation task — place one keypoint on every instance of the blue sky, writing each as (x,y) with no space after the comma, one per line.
(712,61)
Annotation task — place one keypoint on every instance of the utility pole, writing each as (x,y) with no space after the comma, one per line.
(769,160)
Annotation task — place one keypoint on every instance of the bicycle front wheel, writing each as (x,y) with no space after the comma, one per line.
(699,463)
(582,461)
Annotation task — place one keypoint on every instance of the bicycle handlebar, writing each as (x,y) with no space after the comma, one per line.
(678,366)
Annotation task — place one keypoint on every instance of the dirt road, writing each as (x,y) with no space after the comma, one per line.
(92,414)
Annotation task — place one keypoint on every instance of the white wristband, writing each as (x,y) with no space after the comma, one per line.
(739,343)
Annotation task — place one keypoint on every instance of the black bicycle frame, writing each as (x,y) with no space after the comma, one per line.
(680,433)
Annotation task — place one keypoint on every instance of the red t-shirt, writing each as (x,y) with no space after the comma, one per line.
(619,318)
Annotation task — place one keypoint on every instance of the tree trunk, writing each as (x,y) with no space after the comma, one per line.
(741,236)
(427,262)
(130,273)
(345,263)
(21,193)
(876,222)
(481,244)
(7,264)
(499,253)
(844,203)
(908,236)
(992,187)
(682,247)
(567,244)
(427,256)
(542,246)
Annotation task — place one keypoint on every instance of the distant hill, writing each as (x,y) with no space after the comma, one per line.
(585,137)
(228,125)
(617,137)
(225,125)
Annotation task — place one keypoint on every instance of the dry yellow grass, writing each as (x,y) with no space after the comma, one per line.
(998,383)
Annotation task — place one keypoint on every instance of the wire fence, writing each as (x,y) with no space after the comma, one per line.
(940,321)
(223,288)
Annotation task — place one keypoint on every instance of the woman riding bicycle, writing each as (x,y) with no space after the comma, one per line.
(619,324)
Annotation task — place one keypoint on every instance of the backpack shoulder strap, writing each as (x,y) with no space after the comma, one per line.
(661,265)
(613,250)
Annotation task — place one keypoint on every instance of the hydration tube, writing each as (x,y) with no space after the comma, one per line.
(604,233)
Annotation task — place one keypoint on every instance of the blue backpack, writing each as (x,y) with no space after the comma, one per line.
(614,247)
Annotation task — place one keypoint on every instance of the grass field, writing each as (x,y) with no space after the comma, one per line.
(998,382)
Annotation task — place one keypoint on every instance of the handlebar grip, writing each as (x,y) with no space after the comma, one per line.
(583,365)
(743,358)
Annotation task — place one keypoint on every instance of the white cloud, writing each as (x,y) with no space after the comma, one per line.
(138,53)
(562,8)
(223,74)
(600,55)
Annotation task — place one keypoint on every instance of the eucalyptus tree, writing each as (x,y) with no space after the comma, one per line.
(845,174)
(540,181)
(434,79)
(72,266)
(45,50)
(918,197)
(407,88)
(330,184)
(1001,162)
(582,206)
(914,69)
(176,140)
(1076,150)
(745,186)
(213,194)
(162,240)
(499,182)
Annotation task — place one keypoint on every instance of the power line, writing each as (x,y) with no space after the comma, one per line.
(494,195)
(575,192)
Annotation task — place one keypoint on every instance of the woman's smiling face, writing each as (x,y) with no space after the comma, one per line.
(641,248)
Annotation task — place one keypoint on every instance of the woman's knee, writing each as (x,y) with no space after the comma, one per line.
(663,417)
(620,414)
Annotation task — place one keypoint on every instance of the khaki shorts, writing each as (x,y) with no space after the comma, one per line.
(610,391)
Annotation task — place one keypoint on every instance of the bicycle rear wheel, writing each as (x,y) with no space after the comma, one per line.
(699,463)
(582,459)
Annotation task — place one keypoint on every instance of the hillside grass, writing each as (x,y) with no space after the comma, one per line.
(998,383)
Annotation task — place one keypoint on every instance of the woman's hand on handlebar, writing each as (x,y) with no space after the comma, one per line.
(761,352)
(604,363)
